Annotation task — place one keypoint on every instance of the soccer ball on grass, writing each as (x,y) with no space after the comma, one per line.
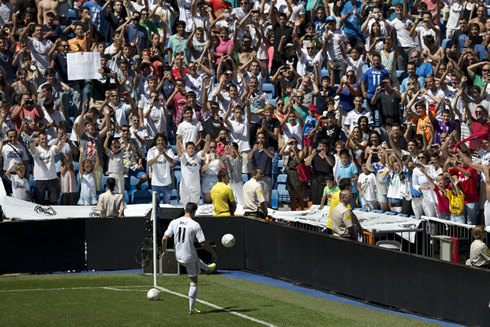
(228,240)
(153,294)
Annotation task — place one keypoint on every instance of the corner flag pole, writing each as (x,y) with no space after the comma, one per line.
(154,217)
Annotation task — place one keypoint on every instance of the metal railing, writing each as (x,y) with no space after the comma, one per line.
(439,227)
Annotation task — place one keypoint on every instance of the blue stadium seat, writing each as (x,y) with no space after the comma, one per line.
(401,75)
(282,178)
(126,197)
(273,102)
(71,17)
(282,192)
(244,178)
(174,197)
(75,165)
(270,90)
(141,197)
(325,72)
(104,182)
(280,164)
(275,199)
(481,52)
(446,44)
(364,68)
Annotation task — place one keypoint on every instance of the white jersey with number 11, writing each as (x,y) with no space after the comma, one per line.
(185,231)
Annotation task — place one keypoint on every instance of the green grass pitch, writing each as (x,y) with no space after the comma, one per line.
(120,300)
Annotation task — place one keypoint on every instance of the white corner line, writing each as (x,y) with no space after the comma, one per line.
(218,307)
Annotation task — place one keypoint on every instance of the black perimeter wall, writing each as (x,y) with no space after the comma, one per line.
(436,288)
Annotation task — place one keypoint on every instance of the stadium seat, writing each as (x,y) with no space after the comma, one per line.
(104,182)
(273,102)
(364,68)
(325,72)
(270,90)
(141,197)
(244,178)
(126,197)
(174,197)
(481,52)
(275,199)
(283,192)
(282,178)
(446,44)
(401,75)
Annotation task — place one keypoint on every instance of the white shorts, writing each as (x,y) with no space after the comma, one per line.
(192,268)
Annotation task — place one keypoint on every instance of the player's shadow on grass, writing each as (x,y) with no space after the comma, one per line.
(229,309)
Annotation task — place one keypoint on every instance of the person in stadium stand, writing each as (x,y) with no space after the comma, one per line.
(185,232)
(342,223)
(111,204)
(254,203)
(479,252)
(223,200)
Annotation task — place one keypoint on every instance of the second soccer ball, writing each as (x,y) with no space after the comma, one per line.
(228,240)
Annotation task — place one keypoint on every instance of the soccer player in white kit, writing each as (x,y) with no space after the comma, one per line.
(185,230)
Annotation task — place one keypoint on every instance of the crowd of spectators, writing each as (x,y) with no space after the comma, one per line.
(392,95)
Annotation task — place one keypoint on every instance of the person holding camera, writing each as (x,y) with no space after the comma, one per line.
(28,111)
(294,186)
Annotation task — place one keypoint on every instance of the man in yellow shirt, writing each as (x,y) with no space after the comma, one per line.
(344,184)
(223,200)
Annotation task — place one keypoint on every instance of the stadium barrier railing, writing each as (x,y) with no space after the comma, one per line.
(436,228)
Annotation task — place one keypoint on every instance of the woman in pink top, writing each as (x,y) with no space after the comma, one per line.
(226,46)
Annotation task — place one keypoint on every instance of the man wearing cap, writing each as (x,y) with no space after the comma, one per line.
(51,30)
(322,165)
(332,38)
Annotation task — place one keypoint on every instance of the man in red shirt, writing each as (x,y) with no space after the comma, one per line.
(468,177)
(28,111)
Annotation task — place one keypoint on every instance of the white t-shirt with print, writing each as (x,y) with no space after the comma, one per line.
(161,170)
(44,164)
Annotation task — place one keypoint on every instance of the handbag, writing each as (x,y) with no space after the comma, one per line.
(305,173)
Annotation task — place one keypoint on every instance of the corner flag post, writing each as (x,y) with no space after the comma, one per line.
(154,217)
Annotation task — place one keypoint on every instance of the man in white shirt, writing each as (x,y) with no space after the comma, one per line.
(190,129)
(239,132)
(406,43)
(161,159)
(307,58)
(53,118)
(45,177)
(122,111)
(254,203)
(38,46)
(352,119)
(186,231)
(155,117)
(331,40)
(426,28)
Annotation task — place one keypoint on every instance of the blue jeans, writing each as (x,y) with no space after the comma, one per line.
(458,219)
(445,216)
(164,191)
(275,163)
